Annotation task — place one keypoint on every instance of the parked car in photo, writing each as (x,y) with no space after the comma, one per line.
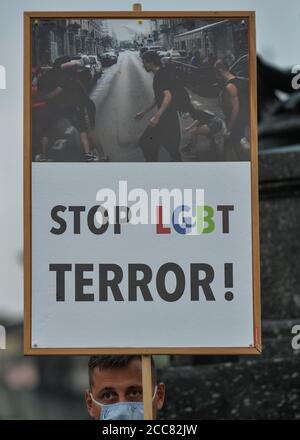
(162,52)
(157,48)
(96,63)
(174,55)
(109,57)
(143,50)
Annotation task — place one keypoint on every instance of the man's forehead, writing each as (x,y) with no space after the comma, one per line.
(130,374)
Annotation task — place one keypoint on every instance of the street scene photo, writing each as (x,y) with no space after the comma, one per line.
(135,90)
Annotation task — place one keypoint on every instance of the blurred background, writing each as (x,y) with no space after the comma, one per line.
(203,387)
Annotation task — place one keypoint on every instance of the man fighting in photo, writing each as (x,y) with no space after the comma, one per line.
(163,129)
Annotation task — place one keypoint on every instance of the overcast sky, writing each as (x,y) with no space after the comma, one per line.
(126,29)
(278,36)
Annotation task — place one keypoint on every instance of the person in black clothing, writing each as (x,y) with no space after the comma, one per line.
(163,129)
(209,125)
(234,104)
(66,97)
(45,112)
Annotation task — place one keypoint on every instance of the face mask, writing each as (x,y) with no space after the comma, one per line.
(122,410)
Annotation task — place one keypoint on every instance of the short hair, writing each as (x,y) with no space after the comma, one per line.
(221,64)
(152,57)
(61,60)
(107,362)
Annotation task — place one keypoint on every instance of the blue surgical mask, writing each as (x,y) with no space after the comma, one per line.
(122,410)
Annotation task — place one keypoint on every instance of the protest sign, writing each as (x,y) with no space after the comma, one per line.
(140,176)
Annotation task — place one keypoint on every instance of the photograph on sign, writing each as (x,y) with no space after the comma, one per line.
(141,206)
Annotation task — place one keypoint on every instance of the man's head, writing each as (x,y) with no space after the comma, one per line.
(221,69)
(115,379)
(151,61)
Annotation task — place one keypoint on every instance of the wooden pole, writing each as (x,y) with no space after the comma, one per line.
(147,387)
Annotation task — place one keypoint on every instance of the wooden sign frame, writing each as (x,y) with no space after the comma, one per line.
(28,348)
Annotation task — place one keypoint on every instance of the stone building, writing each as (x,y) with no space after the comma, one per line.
(54,38)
